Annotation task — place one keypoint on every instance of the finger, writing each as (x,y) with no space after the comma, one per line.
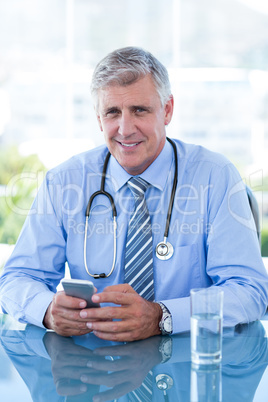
(130,349)
(117,350)
(120,298)
(122,287)
(134,318)
(74,361)
(127,336)
(111,365)
(66,387)
(104,314)
(78,353)
(113,326)
(64,321)
(66,327)
(107,379)
(71,331)
(68,322)
(98,314)
(61,299)
(71,315)
(69,372)
(115,318)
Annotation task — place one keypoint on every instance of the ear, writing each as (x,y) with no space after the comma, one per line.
(169,110)
(99,121)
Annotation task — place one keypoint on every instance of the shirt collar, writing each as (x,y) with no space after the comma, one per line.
(156,174)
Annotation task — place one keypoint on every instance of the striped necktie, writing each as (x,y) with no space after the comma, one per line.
(139,246)
(145,392)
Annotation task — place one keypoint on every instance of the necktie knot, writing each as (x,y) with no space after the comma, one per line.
(137,186)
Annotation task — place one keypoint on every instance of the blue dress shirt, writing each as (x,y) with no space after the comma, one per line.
(212,231)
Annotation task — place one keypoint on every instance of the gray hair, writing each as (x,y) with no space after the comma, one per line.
(126,66)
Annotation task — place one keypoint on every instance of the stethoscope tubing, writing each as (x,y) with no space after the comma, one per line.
(161,246)
(173,191)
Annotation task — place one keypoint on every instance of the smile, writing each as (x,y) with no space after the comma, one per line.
(129,145)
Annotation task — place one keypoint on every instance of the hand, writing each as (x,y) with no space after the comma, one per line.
(128,368)
(63,315)
(77,370)
(136,318)
(68,363)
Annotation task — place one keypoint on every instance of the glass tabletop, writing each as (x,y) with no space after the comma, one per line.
(39,365)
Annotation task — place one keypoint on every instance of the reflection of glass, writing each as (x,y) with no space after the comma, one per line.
(206,385)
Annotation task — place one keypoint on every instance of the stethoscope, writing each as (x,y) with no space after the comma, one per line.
(164,382)
(164,250)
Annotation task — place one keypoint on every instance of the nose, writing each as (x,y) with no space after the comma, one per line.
(126,125)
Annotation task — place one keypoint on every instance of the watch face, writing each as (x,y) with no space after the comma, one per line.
(168,324)
(167,347)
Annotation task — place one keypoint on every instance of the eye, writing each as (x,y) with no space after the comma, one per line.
(112,112)
(139,109)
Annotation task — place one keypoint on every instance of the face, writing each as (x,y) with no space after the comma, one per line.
(133,122)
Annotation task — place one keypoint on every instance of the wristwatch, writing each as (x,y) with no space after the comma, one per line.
(165,348)
(165,324)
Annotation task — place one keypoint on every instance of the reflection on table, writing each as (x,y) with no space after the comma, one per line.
(54,368)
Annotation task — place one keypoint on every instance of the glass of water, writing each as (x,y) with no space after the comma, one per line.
(206,325)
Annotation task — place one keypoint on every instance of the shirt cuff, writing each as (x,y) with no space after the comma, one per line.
(180,312)
(36,309)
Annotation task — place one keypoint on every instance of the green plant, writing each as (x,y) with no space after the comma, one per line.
(264,242)
(19,182)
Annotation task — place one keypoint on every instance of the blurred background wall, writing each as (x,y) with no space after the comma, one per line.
(216,52)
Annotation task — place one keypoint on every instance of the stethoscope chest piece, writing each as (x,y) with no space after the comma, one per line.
(164,382)
(164,250)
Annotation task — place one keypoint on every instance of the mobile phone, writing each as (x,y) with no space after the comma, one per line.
(80,288)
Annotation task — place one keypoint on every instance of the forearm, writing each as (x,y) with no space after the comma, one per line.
(25,299)
(243,303)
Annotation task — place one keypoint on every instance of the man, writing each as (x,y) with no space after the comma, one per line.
(211,227)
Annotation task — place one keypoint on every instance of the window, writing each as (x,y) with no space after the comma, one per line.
(216,53)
